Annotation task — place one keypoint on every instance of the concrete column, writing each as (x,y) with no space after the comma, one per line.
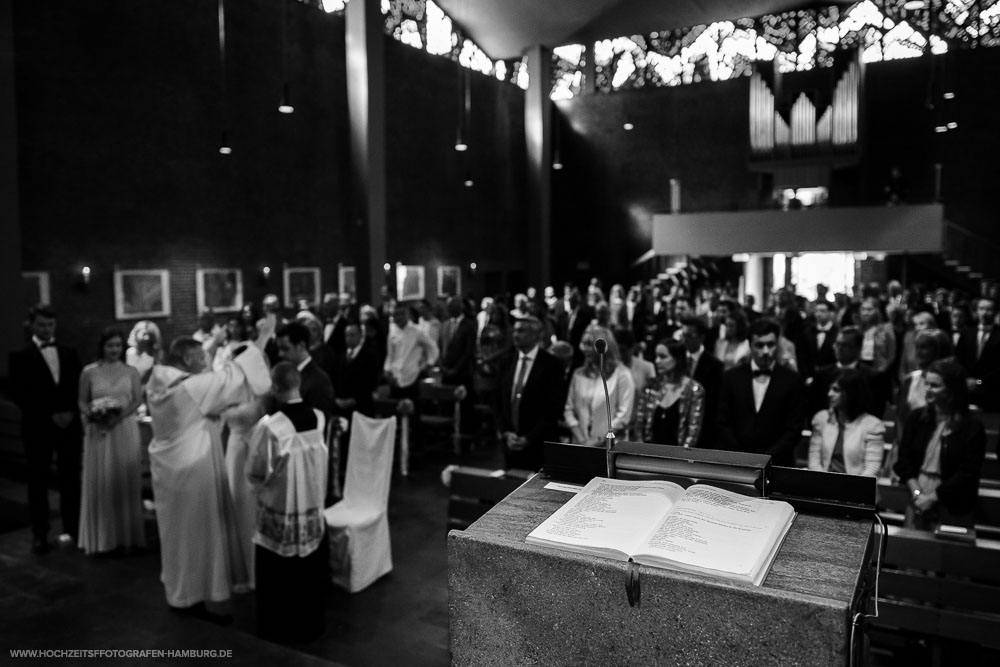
(366,108)
(753,279)
(11,333)
(538,136)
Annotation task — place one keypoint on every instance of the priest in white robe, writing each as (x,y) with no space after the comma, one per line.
(200,552)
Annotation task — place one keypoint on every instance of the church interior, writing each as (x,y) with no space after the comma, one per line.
(333,163)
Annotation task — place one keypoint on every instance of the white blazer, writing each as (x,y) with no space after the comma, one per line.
(586,407)
(864,439)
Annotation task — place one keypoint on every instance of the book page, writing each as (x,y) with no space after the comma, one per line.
(714,529)
(608,514)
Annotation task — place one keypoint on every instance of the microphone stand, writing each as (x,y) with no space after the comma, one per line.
(609,438)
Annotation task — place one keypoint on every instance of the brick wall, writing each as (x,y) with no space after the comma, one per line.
(120,112)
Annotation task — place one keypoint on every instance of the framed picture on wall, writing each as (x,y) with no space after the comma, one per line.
(142,293)
(301,286)
(449,281)
(409,282)
(347,280)
(36,289)
(219,290)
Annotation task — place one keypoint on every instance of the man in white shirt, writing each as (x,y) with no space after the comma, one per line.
(409,352)
(429,324)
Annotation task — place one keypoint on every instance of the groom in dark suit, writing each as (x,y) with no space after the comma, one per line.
(761,403)
(45,380)
(530,398)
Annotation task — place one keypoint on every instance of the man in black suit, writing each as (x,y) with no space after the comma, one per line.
(979,353)
(317,389)
(356,375)
(847,351)
(458,361)
(818,340)
(760,406)
(578,319)
(706,370)
(530,398)
(335,310)
(45,381)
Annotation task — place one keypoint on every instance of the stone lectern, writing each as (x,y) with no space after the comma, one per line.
(513,603)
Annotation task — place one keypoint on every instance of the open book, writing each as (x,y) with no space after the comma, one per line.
(702,529)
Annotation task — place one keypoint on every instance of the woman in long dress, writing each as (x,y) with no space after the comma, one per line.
(241,419)
(111,495)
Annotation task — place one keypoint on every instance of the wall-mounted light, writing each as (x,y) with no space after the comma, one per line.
(464,105)
(472,267)
(285,106)
(224,147)
(628,127)
(85,275)
(387,267)
(266,272)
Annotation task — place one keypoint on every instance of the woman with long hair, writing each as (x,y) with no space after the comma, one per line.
(929,345)
(111,493)
(845,438)
(908,357)
(942,451)
(143,348)
(671,410)
(586,411)
(734,347)
(878,348)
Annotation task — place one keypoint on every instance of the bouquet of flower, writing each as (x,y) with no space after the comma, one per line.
(102,411)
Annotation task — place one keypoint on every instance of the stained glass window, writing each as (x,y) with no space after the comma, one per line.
(423,25)
(796,41)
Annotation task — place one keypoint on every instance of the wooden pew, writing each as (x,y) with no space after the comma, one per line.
(893,499)
(940,588)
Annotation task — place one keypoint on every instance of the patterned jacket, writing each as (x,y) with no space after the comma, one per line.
(691,405)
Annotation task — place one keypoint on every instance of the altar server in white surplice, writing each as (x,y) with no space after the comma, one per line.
(200,552)
(287,467)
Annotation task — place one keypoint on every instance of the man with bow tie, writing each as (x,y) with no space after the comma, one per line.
(818,340)
(761,402)
(45,380)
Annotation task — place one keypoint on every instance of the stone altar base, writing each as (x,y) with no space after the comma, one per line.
(513,603)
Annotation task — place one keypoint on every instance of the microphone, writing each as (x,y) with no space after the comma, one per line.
(601,347)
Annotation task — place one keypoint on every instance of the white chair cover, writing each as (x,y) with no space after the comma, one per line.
(363,513)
